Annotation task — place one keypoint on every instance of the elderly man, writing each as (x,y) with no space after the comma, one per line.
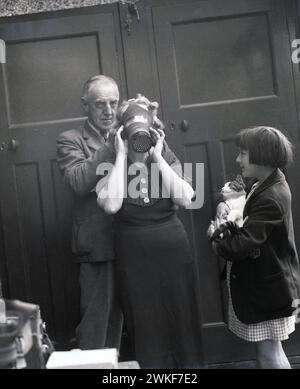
(79,153)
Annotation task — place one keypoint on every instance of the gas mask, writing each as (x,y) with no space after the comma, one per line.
(137,120)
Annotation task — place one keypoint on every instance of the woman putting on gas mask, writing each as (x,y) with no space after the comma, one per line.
(156,273)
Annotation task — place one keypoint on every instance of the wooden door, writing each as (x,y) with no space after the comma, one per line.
(223,65)
(40,88)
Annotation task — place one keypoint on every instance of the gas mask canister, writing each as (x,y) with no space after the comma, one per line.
(136,119)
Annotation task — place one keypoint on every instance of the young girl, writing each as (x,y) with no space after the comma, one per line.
(262,263)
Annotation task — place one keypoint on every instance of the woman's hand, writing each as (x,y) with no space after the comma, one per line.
(158,137)
(121,146)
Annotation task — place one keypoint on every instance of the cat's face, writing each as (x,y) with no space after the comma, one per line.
(233,189)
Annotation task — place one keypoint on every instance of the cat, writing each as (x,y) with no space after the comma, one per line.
(229,210)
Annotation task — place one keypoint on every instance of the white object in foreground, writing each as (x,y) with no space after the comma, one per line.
(84,359)
(2,310)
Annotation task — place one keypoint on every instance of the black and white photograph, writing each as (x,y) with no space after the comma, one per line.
(149,187)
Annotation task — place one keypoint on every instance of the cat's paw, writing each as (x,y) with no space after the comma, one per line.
(222,210)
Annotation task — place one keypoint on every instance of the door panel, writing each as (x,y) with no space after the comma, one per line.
(47,64)
(246,65)
(223,66)
(34,97)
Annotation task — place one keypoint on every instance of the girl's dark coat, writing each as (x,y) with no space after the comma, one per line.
(265,280)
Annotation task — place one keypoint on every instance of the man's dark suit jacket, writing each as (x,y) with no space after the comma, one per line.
(264,279)
(79,153)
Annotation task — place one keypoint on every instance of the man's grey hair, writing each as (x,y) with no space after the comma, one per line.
(99,78)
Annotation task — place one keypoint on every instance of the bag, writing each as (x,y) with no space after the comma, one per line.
(24,342)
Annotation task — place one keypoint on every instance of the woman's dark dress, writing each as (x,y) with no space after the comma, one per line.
(158,285)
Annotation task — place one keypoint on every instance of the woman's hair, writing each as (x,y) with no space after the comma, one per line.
(267,146)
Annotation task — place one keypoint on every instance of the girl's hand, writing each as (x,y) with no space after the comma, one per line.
(121,146)
(158,137)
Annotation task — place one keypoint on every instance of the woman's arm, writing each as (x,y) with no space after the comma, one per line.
(180,191)
(111,195)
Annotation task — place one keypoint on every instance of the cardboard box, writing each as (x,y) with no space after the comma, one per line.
(84,359)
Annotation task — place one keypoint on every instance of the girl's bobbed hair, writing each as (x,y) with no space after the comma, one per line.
(267,146)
